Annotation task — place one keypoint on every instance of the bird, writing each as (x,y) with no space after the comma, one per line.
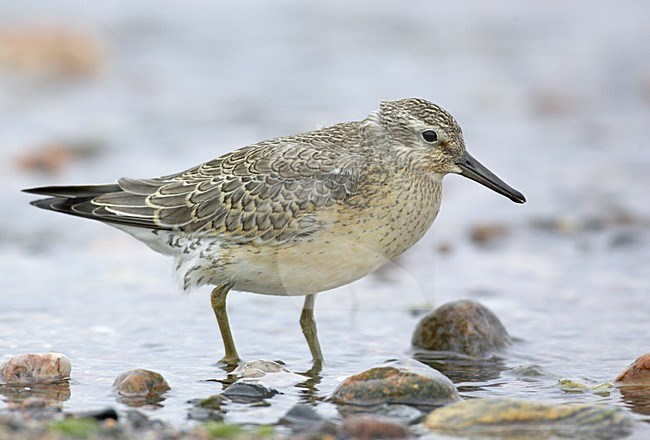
(295,215)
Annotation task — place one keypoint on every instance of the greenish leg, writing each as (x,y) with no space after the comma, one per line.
(218,300)
(308,325)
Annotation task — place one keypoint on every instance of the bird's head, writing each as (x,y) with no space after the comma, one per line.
(429,137)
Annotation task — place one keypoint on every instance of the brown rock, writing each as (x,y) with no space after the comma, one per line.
(141,384)
(50,52)
(638,373)
(398,381)
(372,427)
(465,327)
(54,157)
(34,368)
(488,234)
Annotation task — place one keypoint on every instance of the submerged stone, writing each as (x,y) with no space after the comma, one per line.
(207,409)
(507,417)
(574,386)
(301,415)
(35,368)
(636,374)
(398,381)
(634,385)
(141,384)
(244,391)
(466,327)
(213,402)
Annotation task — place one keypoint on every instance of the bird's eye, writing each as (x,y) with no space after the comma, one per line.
(429,136)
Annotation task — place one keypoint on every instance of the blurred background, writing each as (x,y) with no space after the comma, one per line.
(554,97)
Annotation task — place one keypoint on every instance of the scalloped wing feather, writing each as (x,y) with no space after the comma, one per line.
(263,193)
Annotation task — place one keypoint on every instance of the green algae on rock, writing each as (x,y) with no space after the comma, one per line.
(508,417)
(397,381)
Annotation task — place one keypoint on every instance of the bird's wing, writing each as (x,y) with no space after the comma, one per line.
(267,192)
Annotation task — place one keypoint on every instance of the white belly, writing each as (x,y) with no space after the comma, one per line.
(352,243)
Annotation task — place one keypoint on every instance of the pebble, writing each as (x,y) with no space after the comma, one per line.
(138,384)
(301,415)
(465,327)
(207,409)
(505,417)
(488,234)
(634,385)
(403,381)
(244,391)
(35,368)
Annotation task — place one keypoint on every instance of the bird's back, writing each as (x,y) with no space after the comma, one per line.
(264,193)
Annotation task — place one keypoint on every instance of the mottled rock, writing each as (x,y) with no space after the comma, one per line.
(141,384)
(636,374)
(245,391)
(507,417)
(35,368)
(398,381)
(465,327)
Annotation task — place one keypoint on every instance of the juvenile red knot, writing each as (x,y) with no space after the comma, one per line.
(296,215)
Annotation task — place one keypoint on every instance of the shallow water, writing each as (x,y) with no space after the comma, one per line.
(562,115)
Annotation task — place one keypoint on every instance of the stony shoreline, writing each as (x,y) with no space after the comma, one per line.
(399,398)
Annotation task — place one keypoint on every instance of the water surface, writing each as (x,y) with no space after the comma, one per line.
(554,99)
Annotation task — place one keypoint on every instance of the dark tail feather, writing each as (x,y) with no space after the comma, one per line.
(62,204)
(72,191)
